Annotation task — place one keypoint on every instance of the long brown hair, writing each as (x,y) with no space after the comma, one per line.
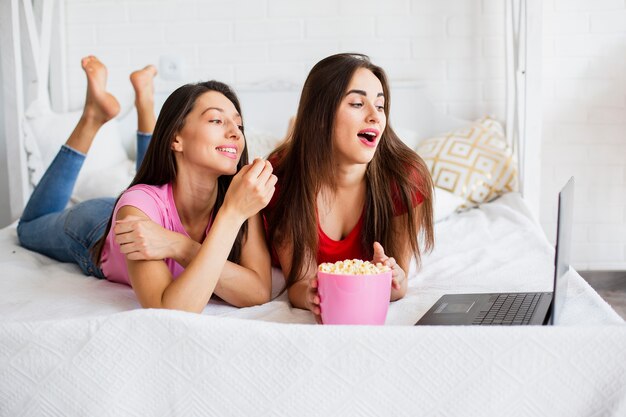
(304,165)
(159,164)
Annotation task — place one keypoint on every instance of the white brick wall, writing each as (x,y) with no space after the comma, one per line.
(440,42)
(584,133)
(455,46)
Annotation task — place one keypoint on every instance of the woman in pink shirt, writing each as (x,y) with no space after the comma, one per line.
(195,183)
(347,182)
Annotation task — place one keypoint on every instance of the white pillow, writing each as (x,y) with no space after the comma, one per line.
(410,137)
(260,143)
(46,131)
(107,182)
(445,203)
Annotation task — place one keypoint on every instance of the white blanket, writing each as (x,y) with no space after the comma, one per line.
(70,346)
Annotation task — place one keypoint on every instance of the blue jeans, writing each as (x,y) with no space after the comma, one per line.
(67,235)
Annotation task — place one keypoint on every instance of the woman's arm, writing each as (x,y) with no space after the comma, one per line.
(191,291)
(249,283)
(141,239)
(243,285)
(398,274)
(302,294)
(249,191)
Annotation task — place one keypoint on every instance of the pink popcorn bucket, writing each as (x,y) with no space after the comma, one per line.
(354,299)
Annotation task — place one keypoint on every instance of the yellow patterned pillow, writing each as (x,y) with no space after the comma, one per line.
(474,162)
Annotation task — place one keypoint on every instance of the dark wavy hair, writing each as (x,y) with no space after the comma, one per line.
(304,165)
(159,165)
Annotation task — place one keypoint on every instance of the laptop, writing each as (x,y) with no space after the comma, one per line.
(533,308)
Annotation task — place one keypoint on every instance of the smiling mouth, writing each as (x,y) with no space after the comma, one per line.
(229,150)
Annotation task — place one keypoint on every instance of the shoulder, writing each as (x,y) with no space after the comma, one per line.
(154,191)
(143,194)
(150,199)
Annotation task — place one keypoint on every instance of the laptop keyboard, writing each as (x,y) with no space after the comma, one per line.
(509,309)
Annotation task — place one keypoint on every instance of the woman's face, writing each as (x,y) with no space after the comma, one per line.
(212,136)
(360,119)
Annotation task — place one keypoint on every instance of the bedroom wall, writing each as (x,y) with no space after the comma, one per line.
(455,46)
(584,116)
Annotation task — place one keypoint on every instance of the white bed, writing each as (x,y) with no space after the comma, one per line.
(74,345)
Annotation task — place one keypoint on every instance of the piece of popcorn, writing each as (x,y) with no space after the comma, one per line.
(353,267)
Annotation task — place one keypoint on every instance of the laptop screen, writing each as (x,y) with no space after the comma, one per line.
(562,249)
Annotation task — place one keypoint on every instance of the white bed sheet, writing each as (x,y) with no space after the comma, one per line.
(75,345)
(495,248)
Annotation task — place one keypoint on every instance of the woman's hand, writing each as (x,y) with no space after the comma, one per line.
(398,275)
(141,239)
(251,189)
(313,299)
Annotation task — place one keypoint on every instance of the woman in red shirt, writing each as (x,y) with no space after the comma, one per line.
(348,186)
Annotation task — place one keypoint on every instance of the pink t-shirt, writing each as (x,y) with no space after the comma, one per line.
(157,202)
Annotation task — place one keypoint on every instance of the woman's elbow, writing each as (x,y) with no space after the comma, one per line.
(256,298)
(186,309)
(257,294)
(261,296)
(187,306)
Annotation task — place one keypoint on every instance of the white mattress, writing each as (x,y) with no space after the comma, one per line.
(75,345)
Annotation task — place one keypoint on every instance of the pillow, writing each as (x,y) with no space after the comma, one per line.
(46,131)
(474,162)
(408,136)
(445,203)
(107,182)
(260,143)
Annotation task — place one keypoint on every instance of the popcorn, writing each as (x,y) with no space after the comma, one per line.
(353,267)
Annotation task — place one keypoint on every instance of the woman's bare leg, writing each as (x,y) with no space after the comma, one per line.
(100,106)
(143,83)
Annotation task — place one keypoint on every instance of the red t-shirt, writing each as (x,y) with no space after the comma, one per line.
(349,247)
(330,250)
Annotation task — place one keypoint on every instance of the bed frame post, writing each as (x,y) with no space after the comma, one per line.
(30,57)
(58,72)
(13,105)
(523,94)
(534,107)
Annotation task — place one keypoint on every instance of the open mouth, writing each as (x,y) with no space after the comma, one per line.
(368,136)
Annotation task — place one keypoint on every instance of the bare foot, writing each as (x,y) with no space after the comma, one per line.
(143,83)
(100,106)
